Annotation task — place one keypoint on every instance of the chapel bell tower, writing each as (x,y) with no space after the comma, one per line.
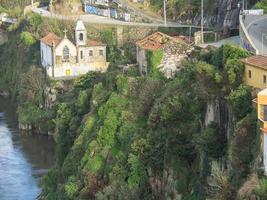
(80,33)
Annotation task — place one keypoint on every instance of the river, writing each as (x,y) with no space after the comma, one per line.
(24,158)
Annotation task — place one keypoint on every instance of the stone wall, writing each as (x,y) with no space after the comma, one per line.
(132,34)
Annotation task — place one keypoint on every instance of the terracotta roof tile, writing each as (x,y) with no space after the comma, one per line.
(156,40)
(264,130)
(50,38)
(152,42)
(257,61)
(94,43)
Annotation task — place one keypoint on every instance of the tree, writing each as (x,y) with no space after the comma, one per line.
(212,141)
(262,4)
(27,38)
(240,100)
(243,148)
(35,21)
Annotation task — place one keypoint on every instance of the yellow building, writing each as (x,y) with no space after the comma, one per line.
(255,73)
(262,116)
(262,107)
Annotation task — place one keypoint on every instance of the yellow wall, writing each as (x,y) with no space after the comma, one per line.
(256,79)
(262,100)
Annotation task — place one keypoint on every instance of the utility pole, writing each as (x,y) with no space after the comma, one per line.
(51,6)
(190,33)
(243,6)
(202,22)
(165,15)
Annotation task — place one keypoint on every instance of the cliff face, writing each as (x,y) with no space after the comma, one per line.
(224,15)
(228,12)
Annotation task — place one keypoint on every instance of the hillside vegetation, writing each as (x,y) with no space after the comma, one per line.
(122,136)
(125,136)
(262,4)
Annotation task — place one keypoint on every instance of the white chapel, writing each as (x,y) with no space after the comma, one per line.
(64,58)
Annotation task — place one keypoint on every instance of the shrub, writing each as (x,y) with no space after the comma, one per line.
(212,141)
(261,190)
(154,59)
(27,38)
(242,147)
(240,100)
(72,187)
(2,9)
(35,21)
(261,5)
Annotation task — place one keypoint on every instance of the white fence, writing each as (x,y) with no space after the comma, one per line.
(254,12)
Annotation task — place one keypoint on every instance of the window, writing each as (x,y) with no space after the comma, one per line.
(264,78)
(249,74)
(101,52)
(81,37)
(91,53)
(264,113)
(42,55)
(81,54)
(66,54)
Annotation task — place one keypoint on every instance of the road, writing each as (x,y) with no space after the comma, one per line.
(95,19)
(139,12)
(257,29)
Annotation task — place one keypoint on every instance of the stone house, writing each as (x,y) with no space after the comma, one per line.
(63,58)
(175,49)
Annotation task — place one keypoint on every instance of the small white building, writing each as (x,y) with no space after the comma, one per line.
(64,58)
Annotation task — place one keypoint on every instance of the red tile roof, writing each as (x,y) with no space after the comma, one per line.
(257,61)
(264,130)
(153,42)
(94,43)
(51,38)
(156,41)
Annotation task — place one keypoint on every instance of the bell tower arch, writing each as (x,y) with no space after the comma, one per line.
(80,33)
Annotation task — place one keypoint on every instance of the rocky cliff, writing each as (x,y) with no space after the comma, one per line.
(220,13)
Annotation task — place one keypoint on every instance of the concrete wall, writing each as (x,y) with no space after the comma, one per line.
(141,60)
(245,40)
(256,79)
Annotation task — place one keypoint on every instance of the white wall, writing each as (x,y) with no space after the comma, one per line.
(77,36)
(75,70)
(46,56)
(61,45)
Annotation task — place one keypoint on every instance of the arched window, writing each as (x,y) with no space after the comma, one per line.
(66,54)
(81,37)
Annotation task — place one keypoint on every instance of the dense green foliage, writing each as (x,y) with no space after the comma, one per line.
(262,4)
(154,59)
(122,138)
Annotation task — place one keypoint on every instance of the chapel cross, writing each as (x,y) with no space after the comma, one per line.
(65,32)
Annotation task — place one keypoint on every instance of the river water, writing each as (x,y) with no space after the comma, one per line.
(24,158)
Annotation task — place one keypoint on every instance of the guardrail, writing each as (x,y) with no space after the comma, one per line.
(245,40)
